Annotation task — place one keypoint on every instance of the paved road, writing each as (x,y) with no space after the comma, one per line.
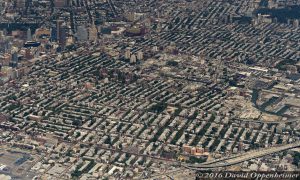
(236,159)
(290,120)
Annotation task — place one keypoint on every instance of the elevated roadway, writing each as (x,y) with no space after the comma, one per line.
(236,159)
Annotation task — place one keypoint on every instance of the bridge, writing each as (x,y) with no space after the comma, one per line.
(236,159)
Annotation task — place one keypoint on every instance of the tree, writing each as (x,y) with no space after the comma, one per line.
(12,97)
(214,129)
(108,140)
(172,63)
(159,107)
(76,122)
(69,153)
(77,134)
(71,47)
(177,20)
(177,111)
(193,159)
(296,158)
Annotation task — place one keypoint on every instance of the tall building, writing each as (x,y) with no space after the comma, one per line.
(140,55)
(133,59)
(127,53)
(259,18)
(230,18)
(28,35)
(296,23)
(93,33)
(4,32)
(61,33)
(53,33)
(58,27)
(289,21)
(82,33)
(14,57)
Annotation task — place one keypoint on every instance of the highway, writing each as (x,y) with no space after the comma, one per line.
(290,120)
(236,159)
